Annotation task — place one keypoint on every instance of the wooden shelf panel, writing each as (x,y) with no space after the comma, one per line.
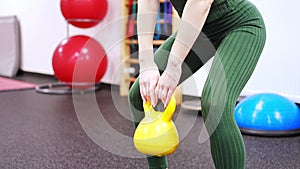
(133,60)
(135,42)
(131,79)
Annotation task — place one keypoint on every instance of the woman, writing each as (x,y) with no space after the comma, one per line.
(233,32)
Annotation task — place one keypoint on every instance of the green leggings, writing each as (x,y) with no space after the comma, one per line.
(236,41)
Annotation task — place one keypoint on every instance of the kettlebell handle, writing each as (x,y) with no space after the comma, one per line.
(167,113)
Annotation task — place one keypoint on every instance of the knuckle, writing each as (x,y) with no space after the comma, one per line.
(151,90)
(143,82)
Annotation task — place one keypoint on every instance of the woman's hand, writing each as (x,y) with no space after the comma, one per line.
(148,80)
(169,80)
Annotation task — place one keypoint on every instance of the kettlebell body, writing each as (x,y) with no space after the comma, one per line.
(156,134)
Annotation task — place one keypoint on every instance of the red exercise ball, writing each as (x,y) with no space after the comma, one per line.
(79,59)
(83,10)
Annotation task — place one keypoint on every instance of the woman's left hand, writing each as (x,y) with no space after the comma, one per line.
(168,82)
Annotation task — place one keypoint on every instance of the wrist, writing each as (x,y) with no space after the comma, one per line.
(146,60)
(173,68)
(174,62)
(148,68)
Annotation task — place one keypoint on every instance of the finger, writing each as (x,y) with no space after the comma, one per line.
(153,99)
(146,88)
(157,92)
(163,101)
(153,95)
(163,93)
(168,98)
(143,92)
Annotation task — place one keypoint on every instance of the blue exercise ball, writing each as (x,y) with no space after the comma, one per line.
(268,112)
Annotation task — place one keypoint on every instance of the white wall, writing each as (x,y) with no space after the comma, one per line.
(279,67)
(43,27)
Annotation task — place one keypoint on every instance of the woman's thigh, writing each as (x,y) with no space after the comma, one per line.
(233,65)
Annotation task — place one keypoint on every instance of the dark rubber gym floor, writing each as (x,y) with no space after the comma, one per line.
(42,131)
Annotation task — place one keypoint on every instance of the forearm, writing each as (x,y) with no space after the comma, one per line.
(192,21)
(146,21)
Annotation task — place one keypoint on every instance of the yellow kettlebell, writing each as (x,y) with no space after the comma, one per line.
(157,134)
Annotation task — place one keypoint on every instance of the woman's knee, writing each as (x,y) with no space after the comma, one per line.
(213,105)
(205,104)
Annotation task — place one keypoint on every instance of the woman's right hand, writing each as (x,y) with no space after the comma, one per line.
(148,80)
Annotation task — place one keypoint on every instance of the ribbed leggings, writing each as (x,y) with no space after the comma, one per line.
(236,41)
